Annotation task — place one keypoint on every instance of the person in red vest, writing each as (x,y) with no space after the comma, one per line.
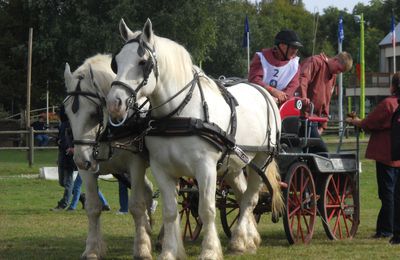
(277,68)
(379,124)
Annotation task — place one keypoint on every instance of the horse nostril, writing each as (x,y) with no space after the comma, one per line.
(87,165)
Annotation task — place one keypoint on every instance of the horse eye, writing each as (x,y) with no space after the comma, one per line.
(142,62)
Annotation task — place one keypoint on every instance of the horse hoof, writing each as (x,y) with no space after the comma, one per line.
(142,258)
(91,256)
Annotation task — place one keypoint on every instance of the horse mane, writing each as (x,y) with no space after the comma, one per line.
(174,59)
(102,73)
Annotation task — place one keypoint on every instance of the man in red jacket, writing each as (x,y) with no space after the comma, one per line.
(318,78)
(277,68)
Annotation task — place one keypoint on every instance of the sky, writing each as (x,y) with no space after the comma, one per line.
(319,5)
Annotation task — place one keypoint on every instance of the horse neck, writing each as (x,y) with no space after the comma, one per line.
(167,87)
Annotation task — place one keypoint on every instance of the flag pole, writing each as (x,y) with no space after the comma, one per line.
(340,78)
(394,42)
(248,51)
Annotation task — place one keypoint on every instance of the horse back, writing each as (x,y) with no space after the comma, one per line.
(257,115)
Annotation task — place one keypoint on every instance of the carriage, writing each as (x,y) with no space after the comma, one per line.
(315,184)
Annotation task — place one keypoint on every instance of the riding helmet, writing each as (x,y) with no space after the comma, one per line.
(288,37)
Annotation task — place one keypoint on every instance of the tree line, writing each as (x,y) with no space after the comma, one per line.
(211,30)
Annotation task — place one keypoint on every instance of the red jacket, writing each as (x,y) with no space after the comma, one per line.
(378,122)
(256,72)
(317,83)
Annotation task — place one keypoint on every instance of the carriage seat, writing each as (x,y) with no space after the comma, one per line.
(293,134)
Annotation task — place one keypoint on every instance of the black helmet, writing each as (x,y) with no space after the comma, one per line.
(288,37)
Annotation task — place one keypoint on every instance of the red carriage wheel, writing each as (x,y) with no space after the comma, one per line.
(339,206)
(189,203)
(301,204)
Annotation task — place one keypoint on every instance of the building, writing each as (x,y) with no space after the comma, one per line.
(386,52)
(376,83)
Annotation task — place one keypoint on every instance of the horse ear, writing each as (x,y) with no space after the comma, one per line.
(125,32)
(148,32)
(67,75)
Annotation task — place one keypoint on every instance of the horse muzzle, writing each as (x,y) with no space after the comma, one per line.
(86,164)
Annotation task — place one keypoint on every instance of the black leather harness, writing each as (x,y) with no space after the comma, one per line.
(211,132)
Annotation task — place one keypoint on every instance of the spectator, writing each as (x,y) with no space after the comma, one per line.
(78,196)
(317,81)
(123,198)
(277,68)
(66,165)
(378,122)
(42,139)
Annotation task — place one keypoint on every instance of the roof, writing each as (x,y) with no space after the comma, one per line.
(388,38)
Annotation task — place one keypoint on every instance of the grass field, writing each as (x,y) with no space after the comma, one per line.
(28,230)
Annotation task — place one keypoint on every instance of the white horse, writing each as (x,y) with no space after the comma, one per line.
(162,70)
(85,104)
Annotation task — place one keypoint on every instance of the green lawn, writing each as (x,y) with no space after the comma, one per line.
(28,230)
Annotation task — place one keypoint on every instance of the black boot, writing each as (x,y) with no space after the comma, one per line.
(82,199)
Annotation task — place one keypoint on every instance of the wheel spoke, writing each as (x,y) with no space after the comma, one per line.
(335,186)
(299,229)
(234,221)
(331,215)
(230,211)
(188,226)
(294,211)
(306,223)
(330,195)
(346,180)
(345,223)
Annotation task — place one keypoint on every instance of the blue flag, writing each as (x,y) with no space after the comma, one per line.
(340,30)
(246,32)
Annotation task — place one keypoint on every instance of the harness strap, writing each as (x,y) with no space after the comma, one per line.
(186,126)
(261,173)
(276,121)
(187,98)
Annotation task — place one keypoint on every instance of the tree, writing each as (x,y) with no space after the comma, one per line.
(211,30)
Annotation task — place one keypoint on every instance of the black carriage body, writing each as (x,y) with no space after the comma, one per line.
(323,163)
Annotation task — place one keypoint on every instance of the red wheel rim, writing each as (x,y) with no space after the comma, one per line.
(341,215)
(301,208)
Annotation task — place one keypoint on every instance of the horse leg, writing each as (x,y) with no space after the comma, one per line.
(137,207)
(95,247)
(211,245)
(172,246)
(237,181)
(245,237)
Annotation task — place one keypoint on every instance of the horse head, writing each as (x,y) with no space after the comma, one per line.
(136,67)
(85,106)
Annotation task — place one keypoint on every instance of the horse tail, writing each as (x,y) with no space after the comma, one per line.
(274,178)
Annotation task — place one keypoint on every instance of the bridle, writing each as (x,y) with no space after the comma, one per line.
(92,97)
(148,66)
